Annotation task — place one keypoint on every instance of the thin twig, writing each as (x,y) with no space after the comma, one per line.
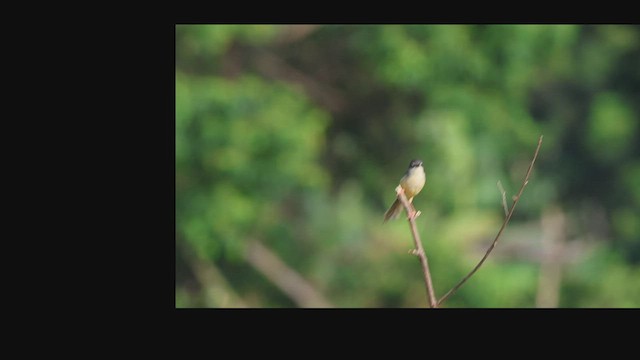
(411,215)
(504,198)
(504,225)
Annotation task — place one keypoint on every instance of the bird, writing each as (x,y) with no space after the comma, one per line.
(412,183)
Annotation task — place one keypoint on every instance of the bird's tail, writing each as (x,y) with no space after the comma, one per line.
(394,211)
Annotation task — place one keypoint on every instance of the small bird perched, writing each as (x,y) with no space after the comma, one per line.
(412,183)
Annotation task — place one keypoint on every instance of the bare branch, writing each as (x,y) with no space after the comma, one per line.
(285,278)
(217,290)
(553,225)
(412,214)
(504,225)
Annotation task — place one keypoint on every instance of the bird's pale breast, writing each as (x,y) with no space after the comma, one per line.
(413,182)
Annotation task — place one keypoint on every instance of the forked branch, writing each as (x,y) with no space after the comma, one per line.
(504,225)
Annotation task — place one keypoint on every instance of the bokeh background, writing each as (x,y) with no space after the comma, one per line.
(290,140)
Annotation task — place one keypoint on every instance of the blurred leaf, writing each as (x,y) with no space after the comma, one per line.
(611,127)
(241,150)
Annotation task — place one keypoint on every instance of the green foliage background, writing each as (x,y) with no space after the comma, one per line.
(296,136)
